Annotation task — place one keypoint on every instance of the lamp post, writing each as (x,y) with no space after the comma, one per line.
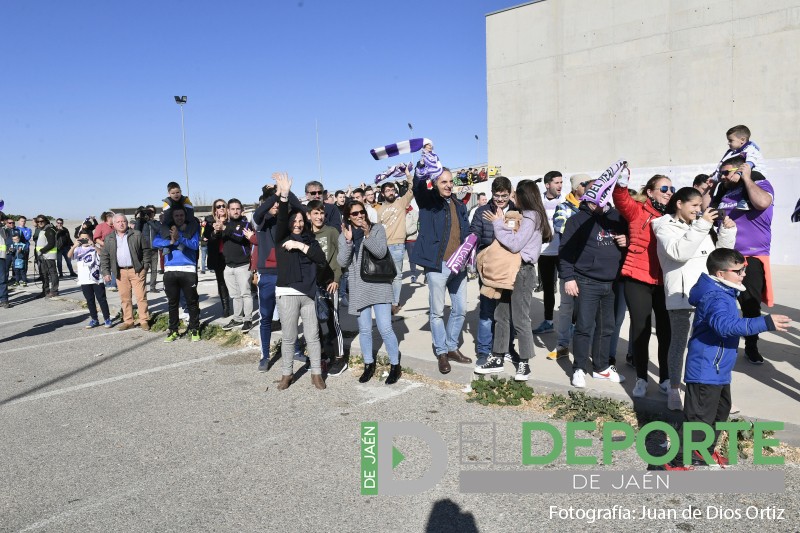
(181,100)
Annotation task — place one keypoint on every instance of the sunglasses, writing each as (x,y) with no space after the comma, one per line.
(219,206)
(738,271)
(315,193)
(727,172)
(356,213)
(665,188)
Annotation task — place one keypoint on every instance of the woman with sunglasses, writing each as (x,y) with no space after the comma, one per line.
(299,257)
(357,234)
(644,284)
(684,243)
(216,261)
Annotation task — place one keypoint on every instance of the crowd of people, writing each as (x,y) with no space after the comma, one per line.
(681,256)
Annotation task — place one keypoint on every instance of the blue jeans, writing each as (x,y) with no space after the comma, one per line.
(383,317)
(485,337)
(409,249)
(445,337)
(397,251)
(266,307)
(203,257)
(595,296)
(3,280)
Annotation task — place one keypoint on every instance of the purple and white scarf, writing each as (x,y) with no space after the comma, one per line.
(395,171)
(429,167)
(401,147)
(599,192)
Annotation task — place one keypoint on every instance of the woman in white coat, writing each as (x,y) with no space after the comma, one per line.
(684,241)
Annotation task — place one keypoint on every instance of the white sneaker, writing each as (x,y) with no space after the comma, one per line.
(640,389)
(610,374)
(579,379)
(665,386)
(674,402)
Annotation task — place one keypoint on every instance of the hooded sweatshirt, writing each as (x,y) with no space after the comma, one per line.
(588,247)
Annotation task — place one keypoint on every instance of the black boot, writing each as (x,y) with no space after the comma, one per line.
(369,370)
(394,373)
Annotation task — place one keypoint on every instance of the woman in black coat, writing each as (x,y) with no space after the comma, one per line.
(216,261)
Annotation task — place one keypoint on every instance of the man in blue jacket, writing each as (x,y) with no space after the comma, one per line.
(443,226)
(180,270)
(713,345)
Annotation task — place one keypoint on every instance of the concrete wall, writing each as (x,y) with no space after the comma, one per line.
(575,84)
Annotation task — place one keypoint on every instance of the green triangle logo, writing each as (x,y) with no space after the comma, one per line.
(397,457)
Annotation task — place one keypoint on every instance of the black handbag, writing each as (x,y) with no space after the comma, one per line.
(377,270)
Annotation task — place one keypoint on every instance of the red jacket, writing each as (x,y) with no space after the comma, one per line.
(641,262)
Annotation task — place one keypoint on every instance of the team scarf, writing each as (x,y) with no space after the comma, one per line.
(395,171)
(599,192)
(401,147)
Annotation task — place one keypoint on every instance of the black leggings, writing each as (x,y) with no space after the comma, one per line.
(548,265)
(96,291)
(644,299)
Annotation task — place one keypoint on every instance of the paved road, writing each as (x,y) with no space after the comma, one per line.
(115,431)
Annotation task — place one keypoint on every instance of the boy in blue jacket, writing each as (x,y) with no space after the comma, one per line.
(180,271)
(713,345)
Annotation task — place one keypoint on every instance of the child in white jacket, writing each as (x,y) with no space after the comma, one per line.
(684,242)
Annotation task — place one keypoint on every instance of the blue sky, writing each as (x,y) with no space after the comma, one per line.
(89,121)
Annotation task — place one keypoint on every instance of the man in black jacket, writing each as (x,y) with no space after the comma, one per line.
(236,250)
(590,258)
(63,244)
(46,253)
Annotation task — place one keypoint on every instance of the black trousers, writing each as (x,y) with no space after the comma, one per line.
(174,284)
(708,404)
(62,254)
(49,272)
(151,265)
(644,299)
(750,300)
(92,292)
(548,266)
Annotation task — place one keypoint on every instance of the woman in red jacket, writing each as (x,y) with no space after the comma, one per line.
(644,284)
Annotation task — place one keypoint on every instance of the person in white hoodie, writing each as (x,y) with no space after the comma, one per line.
(684,242)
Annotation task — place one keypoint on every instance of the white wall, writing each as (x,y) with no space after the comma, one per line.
(577,84)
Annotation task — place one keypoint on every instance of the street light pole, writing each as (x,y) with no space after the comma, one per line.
(181,100)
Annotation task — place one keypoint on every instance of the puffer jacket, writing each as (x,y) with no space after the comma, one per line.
(716,331)
(682,251)
(641,263)
(497,265)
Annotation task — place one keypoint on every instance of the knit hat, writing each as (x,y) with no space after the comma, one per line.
(576,179)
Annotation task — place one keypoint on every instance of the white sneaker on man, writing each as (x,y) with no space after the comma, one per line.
(610,374)
(640,389)
(579,379)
